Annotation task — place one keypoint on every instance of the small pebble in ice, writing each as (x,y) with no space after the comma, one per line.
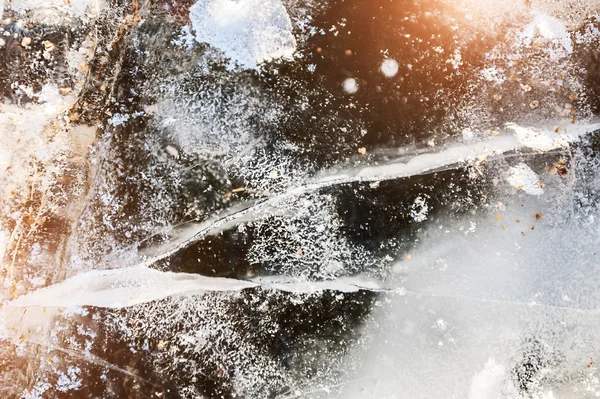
(389,67)
(350,86)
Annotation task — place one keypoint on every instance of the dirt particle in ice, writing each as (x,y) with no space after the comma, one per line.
(362,150)
(534,104)
(49,46)
(561,170)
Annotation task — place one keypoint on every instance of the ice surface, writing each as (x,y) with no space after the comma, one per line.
(247,31)
(476,300)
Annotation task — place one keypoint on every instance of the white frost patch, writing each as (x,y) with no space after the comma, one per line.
(25,140)
(419,209)
(539,139)
(70,380)
(44,10)
(488,383)
(522,177)
(247,31)
(493,74)
(550,30)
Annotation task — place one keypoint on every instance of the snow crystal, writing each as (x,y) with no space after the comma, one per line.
(248,31)
(522,177)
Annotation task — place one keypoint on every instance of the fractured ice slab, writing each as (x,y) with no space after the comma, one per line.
(247,31)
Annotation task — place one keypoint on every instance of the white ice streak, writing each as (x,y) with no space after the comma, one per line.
(129,286)
(118,288)
(247,31)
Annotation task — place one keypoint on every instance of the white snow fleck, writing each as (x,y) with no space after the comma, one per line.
(389,67)
(350,86)
(522,177)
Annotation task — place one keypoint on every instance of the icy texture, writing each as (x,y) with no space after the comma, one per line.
(248,32)
(468,293)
